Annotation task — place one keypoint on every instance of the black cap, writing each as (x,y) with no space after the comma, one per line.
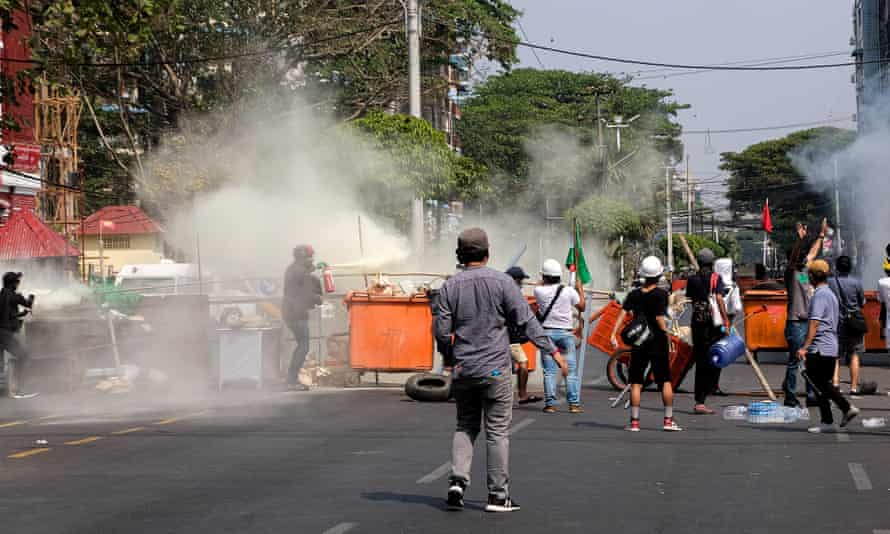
(472,240)
(10,278)
(516,273)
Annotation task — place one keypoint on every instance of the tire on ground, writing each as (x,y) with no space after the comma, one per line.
(617,369)
(428,387)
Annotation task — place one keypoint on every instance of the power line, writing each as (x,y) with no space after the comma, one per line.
(746,62)
(767,128)
(534,52)
(205,59)
(667,65)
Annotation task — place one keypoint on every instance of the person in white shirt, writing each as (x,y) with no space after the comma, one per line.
(556,304)
(884,298)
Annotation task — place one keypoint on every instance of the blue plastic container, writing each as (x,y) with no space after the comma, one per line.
(727,350)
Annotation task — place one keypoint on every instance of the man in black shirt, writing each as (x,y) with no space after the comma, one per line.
(302,292)
(651,302)
(699,289)
(10,324)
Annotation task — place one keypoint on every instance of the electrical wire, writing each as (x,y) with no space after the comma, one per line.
(767,128)
(534,52)
(667,65)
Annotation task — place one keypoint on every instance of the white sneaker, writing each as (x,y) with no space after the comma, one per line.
(851,413)
(822,429)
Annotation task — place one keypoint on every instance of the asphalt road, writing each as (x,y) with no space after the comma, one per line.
(371,460)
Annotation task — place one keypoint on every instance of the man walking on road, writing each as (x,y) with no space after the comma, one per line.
(850,295)
(10,323)
(473,310)
(820,349)
(302,292)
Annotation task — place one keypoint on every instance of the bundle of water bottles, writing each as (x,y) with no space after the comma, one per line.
(766,412)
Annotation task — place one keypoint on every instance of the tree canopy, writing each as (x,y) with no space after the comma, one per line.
(766,170)
(508,111)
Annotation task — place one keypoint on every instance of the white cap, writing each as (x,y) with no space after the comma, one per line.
(651,267)
(551,267)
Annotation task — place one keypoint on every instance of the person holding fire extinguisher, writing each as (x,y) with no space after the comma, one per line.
(302,292)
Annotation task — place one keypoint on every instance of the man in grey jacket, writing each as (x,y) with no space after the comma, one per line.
(472,312)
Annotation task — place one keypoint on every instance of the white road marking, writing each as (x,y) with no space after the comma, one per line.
(860,477)
(435,474)
(443,469)
(520,425)
(341,528)
(842,437)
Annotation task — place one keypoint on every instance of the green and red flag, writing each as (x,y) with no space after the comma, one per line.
(575,260)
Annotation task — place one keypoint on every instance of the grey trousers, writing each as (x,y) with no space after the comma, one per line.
(488,399)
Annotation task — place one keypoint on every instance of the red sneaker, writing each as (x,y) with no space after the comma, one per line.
(670,425)
(634,426)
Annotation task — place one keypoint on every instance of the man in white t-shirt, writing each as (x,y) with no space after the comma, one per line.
(556,305)
(884,298)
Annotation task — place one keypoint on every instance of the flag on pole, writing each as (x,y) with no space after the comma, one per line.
(575,260)
(767,220)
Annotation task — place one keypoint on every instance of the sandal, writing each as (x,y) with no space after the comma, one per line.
(530,399)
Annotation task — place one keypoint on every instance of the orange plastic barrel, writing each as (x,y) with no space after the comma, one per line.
(872,312)
(389,333)
(765,328)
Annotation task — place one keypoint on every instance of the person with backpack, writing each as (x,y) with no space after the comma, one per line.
(555,312)
(648,339)
(852,327)
(709,323)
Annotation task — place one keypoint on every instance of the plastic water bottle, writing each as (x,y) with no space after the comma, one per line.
(735,413)
(791,414)
(874,422)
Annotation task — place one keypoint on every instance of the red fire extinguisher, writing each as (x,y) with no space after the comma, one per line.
(328,277)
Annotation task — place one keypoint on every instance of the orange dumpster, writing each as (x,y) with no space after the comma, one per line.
(390,333)
(766,331)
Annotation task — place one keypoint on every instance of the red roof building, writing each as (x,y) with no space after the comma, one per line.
(120,220)
(23,236)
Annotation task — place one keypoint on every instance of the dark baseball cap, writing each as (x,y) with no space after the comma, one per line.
(516,273)
(472,240)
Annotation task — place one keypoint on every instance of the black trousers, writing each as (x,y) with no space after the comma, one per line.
(820,369)
(11,343)
(706,375)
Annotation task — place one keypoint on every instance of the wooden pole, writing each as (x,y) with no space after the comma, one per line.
(759,374)
(361,246)
(689,254)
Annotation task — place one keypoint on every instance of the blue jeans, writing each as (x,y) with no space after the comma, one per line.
(300,328)
(795,335)
(565,342)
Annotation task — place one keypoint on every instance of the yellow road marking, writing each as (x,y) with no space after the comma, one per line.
(168,421)
(128,431)
(31,452)
(13,423)
(83,441)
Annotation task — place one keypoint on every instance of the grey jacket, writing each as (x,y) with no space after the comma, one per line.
(475,306)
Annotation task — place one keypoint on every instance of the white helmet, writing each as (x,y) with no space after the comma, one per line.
(551,267)
(651,267)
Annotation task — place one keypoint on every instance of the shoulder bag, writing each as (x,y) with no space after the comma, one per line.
(637,331)
(853,320)
(542,318)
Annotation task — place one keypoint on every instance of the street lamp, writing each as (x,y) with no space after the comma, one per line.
(618,125)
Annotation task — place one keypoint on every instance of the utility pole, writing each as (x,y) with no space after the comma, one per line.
(413,16)
(670,225)
(689,203)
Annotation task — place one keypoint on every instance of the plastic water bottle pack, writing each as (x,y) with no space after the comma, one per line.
(767,412)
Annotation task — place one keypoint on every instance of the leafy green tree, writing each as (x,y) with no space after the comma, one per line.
(608,219)
(507,113)
(696,243)
(766,171)
(417,162)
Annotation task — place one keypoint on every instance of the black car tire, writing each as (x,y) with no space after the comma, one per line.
(428,387)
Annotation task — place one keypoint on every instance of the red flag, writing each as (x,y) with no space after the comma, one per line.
(767,220)
(108,224)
